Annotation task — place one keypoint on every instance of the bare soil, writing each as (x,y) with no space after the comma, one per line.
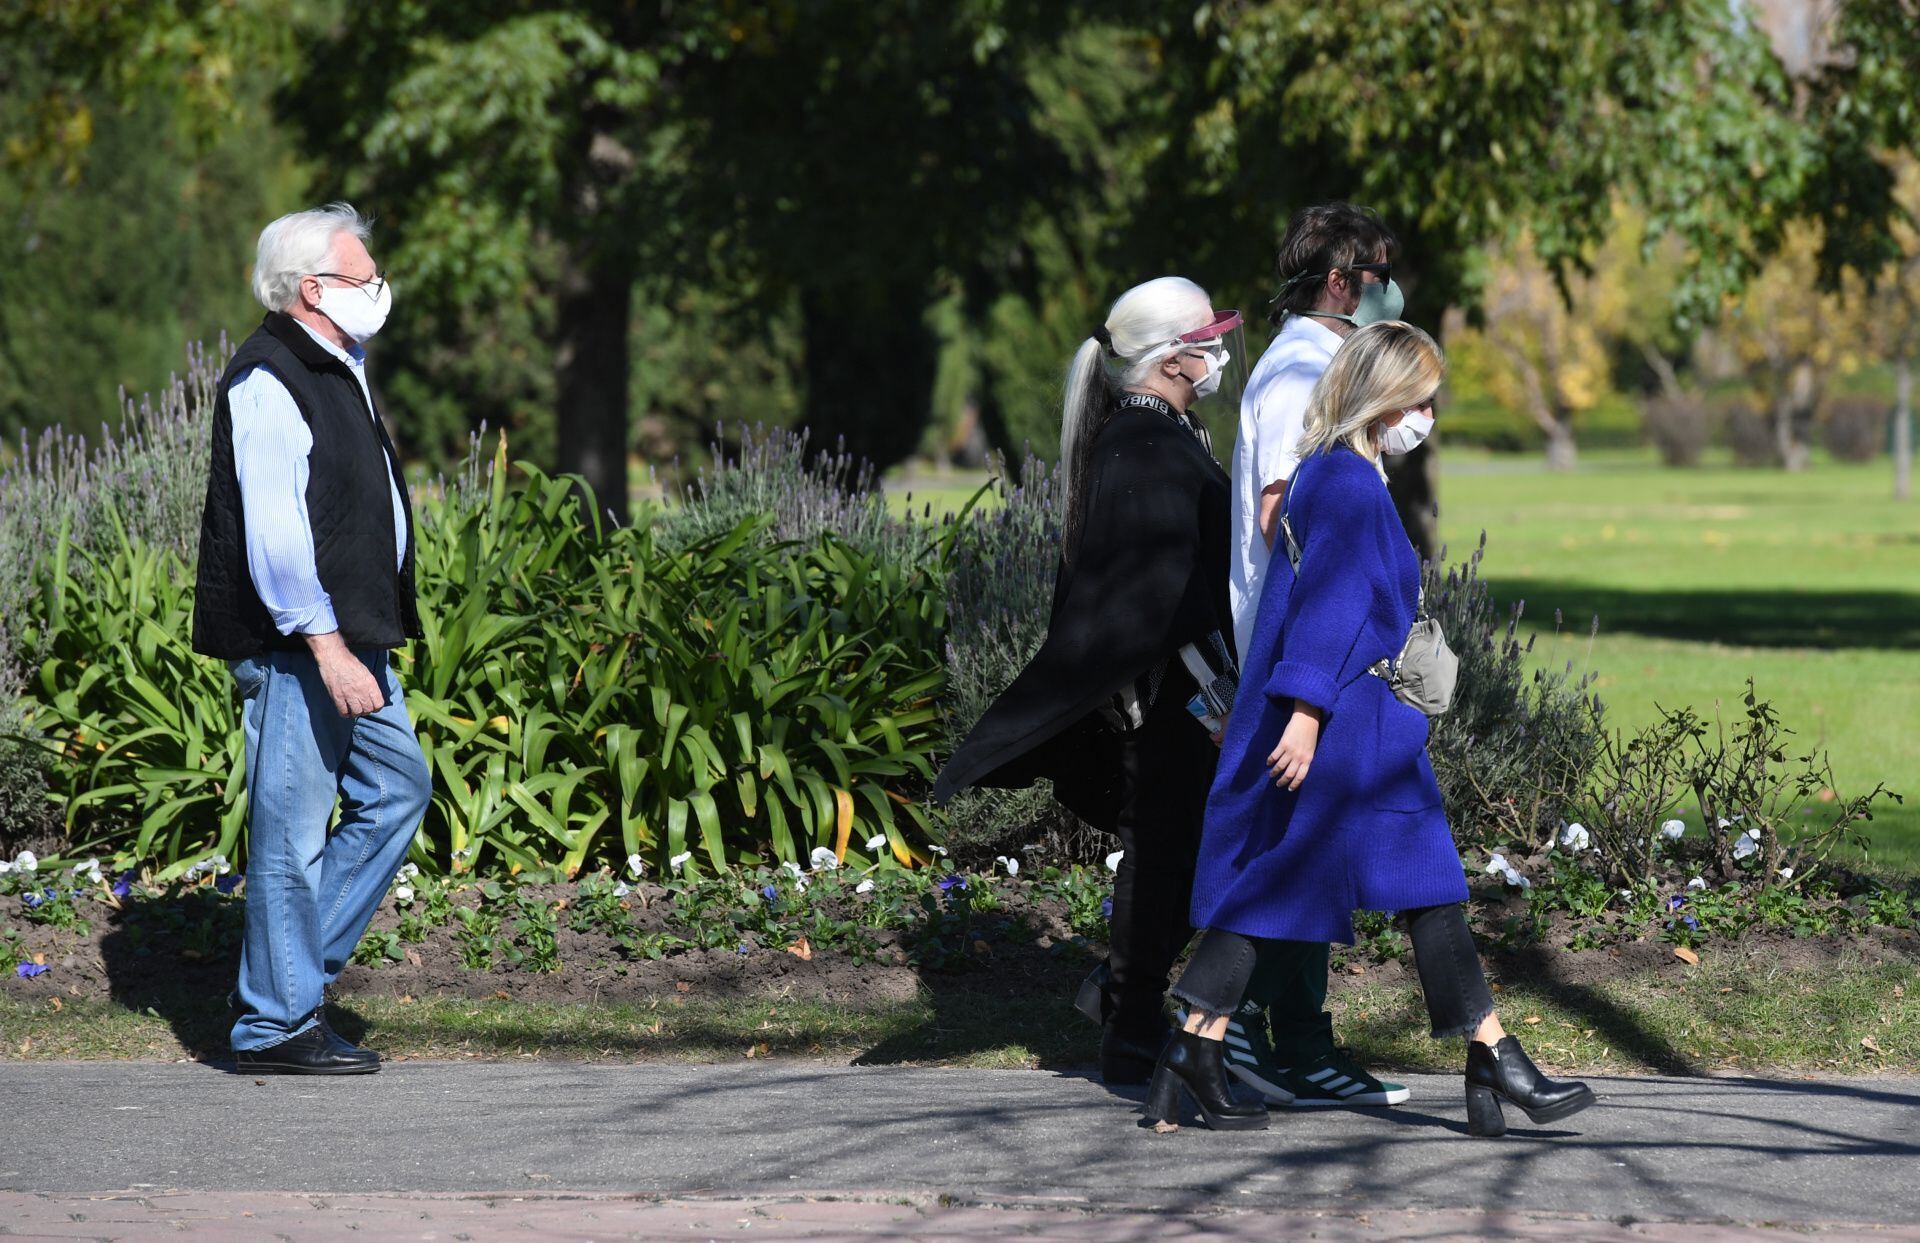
(157,953)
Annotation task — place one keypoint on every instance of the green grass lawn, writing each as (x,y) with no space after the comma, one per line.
(1808,583)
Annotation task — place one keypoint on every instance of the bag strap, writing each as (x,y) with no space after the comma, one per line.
(1286,527)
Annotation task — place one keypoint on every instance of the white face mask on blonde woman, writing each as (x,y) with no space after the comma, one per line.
(1406,435)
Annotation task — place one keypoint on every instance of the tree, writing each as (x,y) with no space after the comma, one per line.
(1679,108)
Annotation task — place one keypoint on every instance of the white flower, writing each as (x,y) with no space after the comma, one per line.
(1726,823)
(938,850)
(792,869)
(1113,860)
(1747,844)
(26,861)
(88,871)
(823,860)
(1498,863)
(1575,838)
(1697,883)
(1673,830)
(1512,876)
(403,894)
(877,843)
(1012,865)
(5,867)
(636,865)
(620,889)
(1786,873)
(865,886)
(407,871)
(679,861)
(800,884)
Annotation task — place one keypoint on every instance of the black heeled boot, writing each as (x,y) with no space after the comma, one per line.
(1504,1072)
(1193,1065)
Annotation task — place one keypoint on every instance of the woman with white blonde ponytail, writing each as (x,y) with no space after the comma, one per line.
(1107,709)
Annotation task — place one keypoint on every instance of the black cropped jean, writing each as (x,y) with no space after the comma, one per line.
(1451,978)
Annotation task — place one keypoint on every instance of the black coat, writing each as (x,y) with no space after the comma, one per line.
(1149,575)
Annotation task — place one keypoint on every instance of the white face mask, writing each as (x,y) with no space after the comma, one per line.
(1406,435)
(1209,384)
(355,311)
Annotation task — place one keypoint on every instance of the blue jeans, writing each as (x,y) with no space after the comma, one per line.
(311,893)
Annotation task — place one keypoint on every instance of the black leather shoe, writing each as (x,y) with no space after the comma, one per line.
(312,1052)
(1092,999)
(342,1046)
(1128,1057)
(1193,1066)
(1504,1072)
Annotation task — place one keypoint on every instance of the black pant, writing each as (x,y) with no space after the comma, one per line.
(1450,976)
(1167,767)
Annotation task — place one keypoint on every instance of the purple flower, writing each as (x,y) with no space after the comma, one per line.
(123,886)
(1691,922)
(769,893)
(227,884)
(950,883)
(27,970)
(33,900)
(1106,908)
(742,949)
(1676,902)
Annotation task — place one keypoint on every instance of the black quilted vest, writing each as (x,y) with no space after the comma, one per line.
(347,504)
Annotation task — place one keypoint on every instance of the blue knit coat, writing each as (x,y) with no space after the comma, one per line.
(1365,830)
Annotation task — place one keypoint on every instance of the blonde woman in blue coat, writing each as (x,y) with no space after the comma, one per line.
(1325,802)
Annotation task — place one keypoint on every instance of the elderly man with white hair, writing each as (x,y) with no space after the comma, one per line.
(305,588)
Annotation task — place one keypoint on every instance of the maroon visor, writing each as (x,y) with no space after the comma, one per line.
(1222,323)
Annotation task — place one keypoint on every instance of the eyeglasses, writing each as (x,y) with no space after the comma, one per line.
(1382,270)
(373,286)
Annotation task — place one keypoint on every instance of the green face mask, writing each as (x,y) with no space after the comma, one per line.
(1377,302)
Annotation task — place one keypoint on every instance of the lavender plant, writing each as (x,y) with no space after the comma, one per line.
(1516,748)
(771,474)
(149,475)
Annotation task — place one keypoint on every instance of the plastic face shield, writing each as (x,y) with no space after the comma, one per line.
(1225,338)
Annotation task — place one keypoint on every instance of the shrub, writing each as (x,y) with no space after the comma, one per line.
(146,479)
(1515,748)
(769,475)
(1679,427)
(1768,819)
(1748,431)
(579,695)
(1854,429)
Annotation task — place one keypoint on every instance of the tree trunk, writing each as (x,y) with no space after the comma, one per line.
(1413,482)
(1793,408)
(1903,430)
(870,364)
(1563,453)
(593,307)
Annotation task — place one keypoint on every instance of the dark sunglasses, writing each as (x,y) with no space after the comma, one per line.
(1382,270)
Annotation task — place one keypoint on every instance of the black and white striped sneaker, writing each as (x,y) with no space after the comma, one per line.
(1337,1079)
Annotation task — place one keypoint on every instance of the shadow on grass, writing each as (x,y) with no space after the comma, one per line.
(1761,617)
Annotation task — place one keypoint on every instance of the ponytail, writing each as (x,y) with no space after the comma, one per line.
(1080,418)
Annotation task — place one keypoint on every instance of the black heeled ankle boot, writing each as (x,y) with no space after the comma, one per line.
(1193,1065)
(1504,1072)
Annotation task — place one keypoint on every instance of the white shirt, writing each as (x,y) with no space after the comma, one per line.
(1273,415)
(271,444)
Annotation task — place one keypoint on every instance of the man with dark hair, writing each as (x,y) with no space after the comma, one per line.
(1335,273)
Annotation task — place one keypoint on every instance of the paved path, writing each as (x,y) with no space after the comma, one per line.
(683,1150)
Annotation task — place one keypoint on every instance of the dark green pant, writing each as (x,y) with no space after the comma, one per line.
(1290,983)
